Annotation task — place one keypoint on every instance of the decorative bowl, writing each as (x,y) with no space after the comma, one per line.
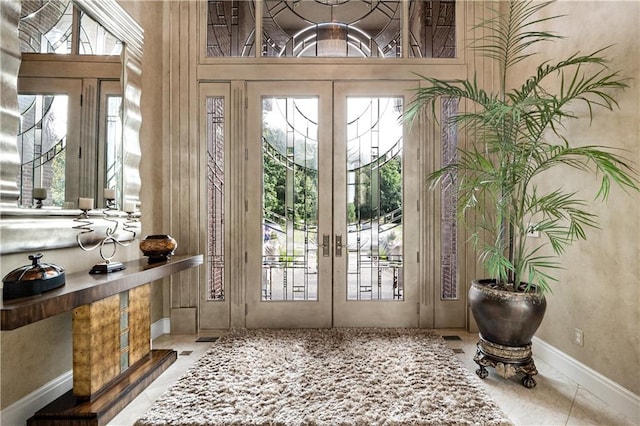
(32,279)
(158,248)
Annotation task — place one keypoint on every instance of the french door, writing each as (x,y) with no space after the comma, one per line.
(331,173)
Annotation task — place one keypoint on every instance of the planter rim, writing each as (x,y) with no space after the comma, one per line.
(482,283)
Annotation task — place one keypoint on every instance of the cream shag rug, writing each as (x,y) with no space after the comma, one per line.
(327,377)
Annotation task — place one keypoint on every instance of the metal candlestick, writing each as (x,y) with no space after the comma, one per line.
(85,226)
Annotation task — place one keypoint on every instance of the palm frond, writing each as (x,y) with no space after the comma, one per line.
(508,37)
(545,69)
(516,136)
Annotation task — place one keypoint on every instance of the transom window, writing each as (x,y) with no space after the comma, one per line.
(57,26)
(332,28)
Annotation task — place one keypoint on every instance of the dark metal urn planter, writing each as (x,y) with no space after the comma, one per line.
(507,321)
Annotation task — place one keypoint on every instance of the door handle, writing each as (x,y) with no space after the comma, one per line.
(326,245)
(339,245)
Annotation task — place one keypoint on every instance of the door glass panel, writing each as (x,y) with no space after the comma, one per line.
(290,198)
(41,143)
(374,198)
(215,188)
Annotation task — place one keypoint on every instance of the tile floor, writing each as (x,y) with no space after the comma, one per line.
(556,400)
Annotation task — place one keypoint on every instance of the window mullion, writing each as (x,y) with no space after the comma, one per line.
(404,28)
(75,27)
(258,34)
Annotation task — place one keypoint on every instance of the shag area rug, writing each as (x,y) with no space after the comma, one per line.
(327,377)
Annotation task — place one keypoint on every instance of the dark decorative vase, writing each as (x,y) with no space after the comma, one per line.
(159,248)
(507,322)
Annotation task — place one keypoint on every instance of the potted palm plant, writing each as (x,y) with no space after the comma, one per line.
(516,136)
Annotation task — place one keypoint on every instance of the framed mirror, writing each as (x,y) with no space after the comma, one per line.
(70,116)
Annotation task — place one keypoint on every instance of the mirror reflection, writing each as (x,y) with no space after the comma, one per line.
(69,117)
(70,132)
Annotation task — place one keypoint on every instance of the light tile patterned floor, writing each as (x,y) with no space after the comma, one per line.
(556,400)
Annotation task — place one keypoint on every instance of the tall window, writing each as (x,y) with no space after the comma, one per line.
(215,191)
(449,212)
(113,157)
(374,198)
(290,198)
(41,145)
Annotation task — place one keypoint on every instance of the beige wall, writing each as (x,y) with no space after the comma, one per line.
(598,289)
(33,355)
(149,14)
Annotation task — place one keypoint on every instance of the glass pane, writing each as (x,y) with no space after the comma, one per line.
(124,331)
(331,28)
(290,198)
(42,138)
(448,229)
(113,148)
(230,28)
(215,188)
(374,199)
(45,26)
(432,29)
(95,40)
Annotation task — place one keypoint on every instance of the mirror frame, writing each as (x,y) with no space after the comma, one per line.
(28,229)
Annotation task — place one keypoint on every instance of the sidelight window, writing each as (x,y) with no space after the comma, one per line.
(215,197)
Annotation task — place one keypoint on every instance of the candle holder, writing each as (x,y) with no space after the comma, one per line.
(86,226)
(39,194)
(110,204)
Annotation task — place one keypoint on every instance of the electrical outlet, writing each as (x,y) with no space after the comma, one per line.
(578,337)
(532,231)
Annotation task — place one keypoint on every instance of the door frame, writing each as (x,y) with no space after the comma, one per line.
(424,154)
(299,314)
(216,314)
(379,313)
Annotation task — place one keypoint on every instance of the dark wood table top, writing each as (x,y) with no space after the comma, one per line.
(81,288)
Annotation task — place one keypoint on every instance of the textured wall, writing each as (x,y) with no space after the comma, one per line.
(149,14)
(598,290)
(44,349)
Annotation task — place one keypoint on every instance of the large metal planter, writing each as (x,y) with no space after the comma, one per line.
(507,322)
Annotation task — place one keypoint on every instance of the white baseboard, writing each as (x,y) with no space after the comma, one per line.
(160,327)
(619,398)
(17,413)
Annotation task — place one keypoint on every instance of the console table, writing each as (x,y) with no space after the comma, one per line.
(112,357)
